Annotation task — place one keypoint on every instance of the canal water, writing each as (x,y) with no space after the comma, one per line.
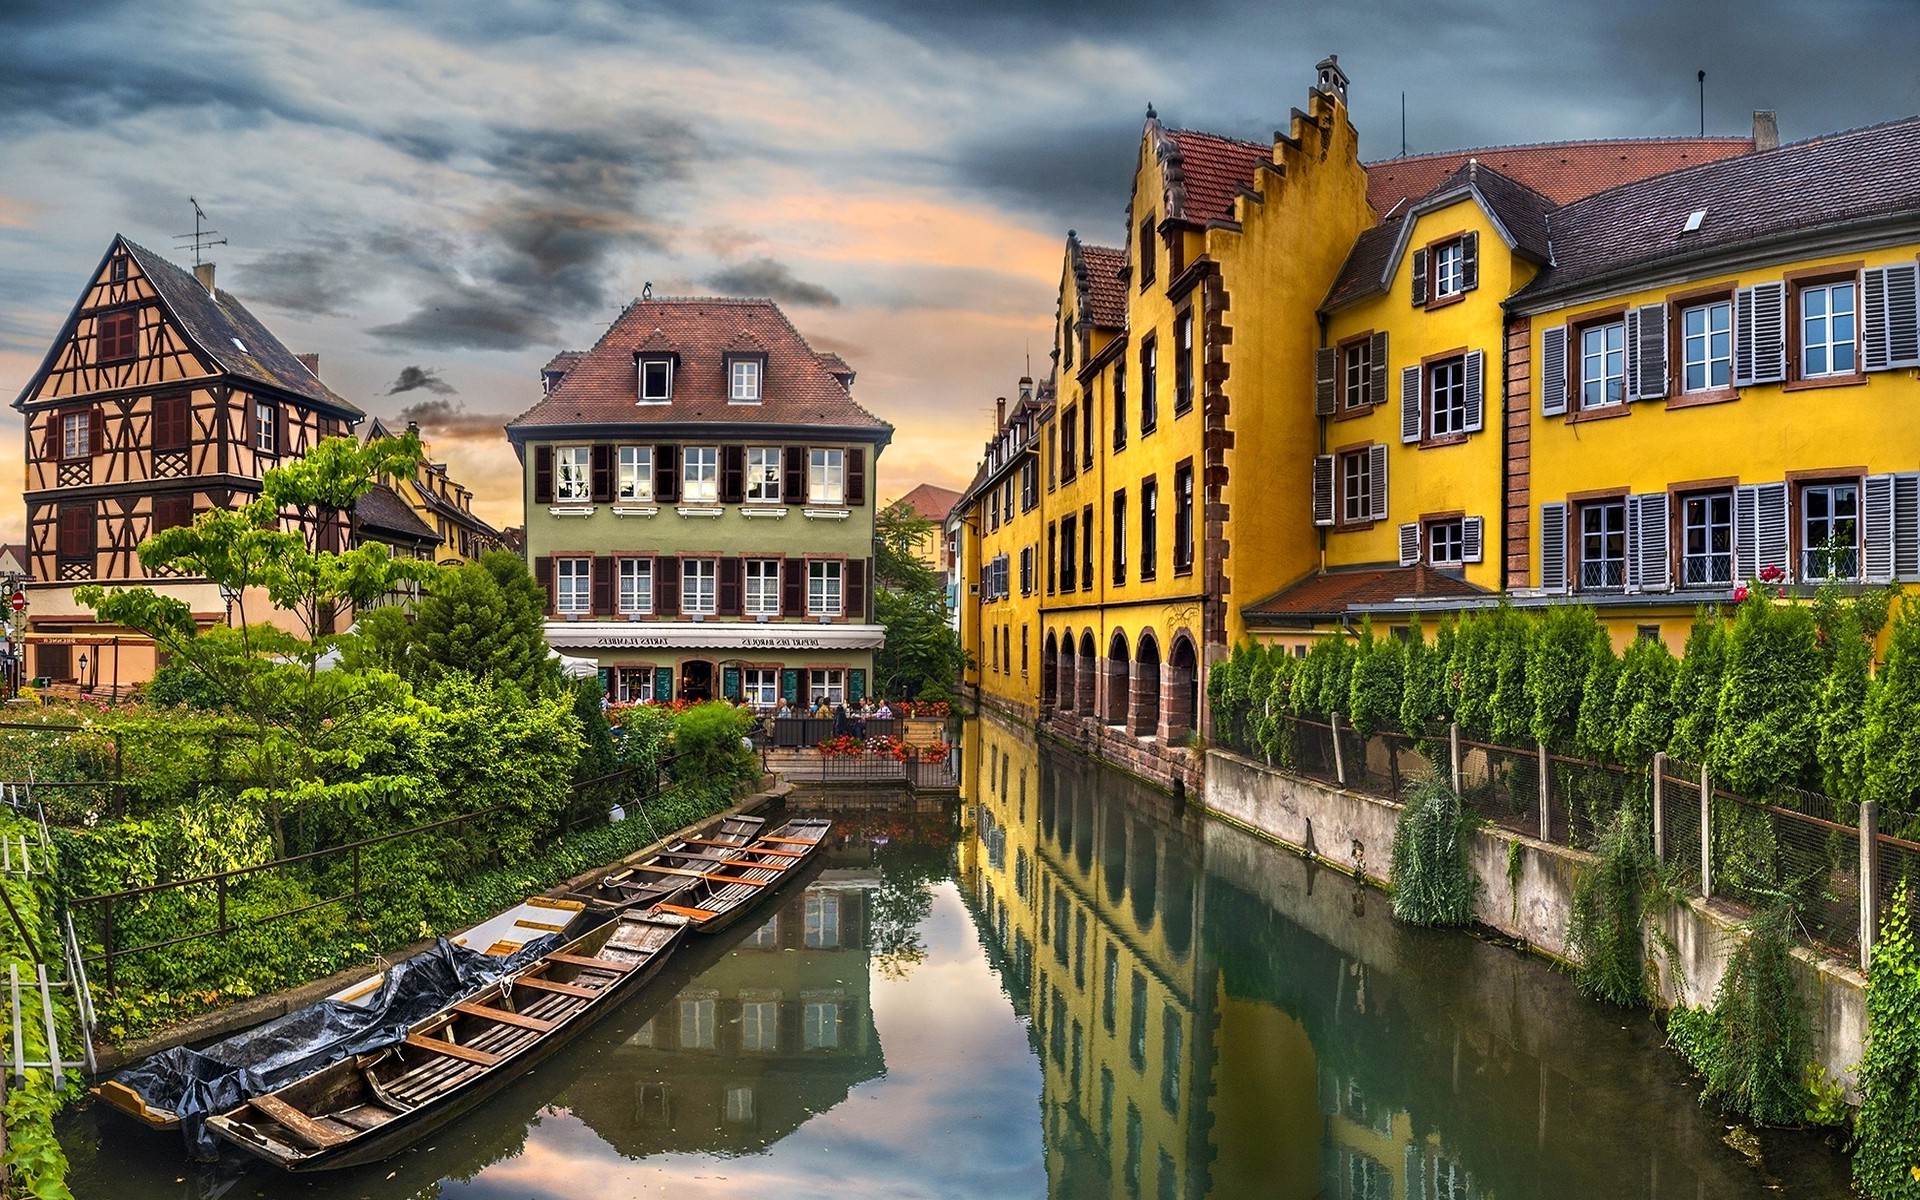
(1066,985)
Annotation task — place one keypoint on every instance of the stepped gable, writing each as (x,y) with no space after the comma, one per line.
(1209,170)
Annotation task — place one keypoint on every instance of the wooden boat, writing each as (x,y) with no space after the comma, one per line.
(501,936)
(364,1109)
(671,870)
(718,894)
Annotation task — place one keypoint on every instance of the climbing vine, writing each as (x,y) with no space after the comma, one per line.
(1432,881)
(1754,1045)
(1886,1146)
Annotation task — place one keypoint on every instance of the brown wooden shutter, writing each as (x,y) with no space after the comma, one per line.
(1469,261)
(602,474)
(666,586)
(733,474)
(282,442)
(666,476)
(97,430)
(249,420)
(603,577)
(856,589)
(793,588)
(543,475)
(1419,276)
(76,530)
(50,438)
(1325,380)
(543,575)
(728,600)
(857,474)
(795,491)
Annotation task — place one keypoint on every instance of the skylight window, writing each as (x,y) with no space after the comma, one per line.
(1693,221)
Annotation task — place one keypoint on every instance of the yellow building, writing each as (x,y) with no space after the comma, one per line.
(998,545)
(930,502)
(426,515)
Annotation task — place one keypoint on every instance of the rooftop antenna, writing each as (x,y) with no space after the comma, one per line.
(1703,103)
(201,238)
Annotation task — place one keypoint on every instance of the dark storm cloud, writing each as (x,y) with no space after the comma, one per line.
(774,280)
(413,379)
(1065,173)
(446,419)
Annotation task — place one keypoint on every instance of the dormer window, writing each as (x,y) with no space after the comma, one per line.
(656,379)
(743,380)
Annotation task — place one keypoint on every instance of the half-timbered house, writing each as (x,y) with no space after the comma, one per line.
(160,398)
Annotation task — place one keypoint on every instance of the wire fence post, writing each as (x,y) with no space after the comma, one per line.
(1869,878)
(1660,806)
(1546,795)
(1339,759)
(1453,753)
(1706,835)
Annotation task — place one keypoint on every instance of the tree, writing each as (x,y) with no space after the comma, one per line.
(1893,734)
(1643,701)
(1560,660)
(1696,686)
(1374,685)
(923,655)
(485,619)
(1764,733)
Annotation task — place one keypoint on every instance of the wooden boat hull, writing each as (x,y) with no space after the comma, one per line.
(710,918)
(408,1128)
(711,843)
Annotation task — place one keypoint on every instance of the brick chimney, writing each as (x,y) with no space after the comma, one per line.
(204,273)
(311,362)
(999,414)
(1766,130)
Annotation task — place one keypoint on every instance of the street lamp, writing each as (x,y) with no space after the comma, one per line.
(228,594)
(83,670)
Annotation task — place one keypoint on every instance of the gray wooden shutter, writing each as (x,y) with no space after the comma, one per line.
(1472,539)
(1760,334)
(1653,533)
(1325,380)
(1877,551)
(1553,371)
(1553,547)
(1475,388)
(1906,525)
(1470,261)
(1323,489)
(1890,317)
(1760,515)
(1377,386)
(1745,533)
(1410,404)
(1419,277)
(1409,544)
(1647,352)
(1377,455)
(1633,538)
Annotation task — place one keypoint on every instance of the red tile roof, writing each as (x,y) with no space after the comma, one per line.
(1561,171)
(798,388)
(930,501)
(1328,594)
(1105,291)
(1212,170)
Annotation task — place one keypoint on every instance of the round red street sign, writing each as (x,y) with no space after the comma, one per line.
(19,601)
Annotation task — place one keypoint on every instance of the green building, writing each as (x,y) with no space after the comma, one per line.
(699,496)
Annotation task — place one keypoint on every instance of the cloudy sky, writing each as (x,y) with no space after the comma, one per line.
(438,194)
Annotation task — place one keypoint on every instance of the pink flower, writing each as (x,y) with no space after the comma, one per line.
(1740,594)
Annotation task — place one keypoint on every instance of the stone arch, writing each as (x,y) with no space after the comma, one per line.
(1143,693)
(1086,675)
(1179,690)
(1143,877)
(1050,670)
(1113,680)
(1068,685)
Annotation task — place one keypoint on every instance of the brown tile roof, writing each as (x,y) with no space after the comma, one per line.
(233,337)
(564,361)
(383,511)
(1211,171)
(1329,594)
(1561,171)
(1838,179)
(1104,291)
(798,388)
(1365,270)
(930,501)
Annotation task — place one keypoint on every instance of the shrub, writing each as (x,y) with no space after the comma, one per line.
(1842,716)
(1471,673)
(1562,655)
(1761,1039)
(1604,930)
(1423,692)
(1509,709)
(1763,725)
(1893,732)
(1594,733)
(1432,881)
(1374,684)
(1696,686)
(1886,1134)
(708,746)
(1643,701)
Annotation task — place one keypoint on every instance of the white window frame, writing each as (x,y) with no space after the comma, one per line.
(820,1025)
(760,584)
(823,921)
(573,585)
(759,1027)
(266,427)
(1708,349)
(1829,342)
(826,587)
(636,586)
(664,394)
(700,475)
(830,682)
(760,686)
(1446,542)
(826,476)
(572,474)
(1356,486)
(1812,549)
(697,1024)
(76,435)
(1699,524)
(1447,398)
(636,474)
(743,381)
(1595,548)
(765,468)
(699,586)
(633,685)
(1603,366)
(1357,374)
(1449,269)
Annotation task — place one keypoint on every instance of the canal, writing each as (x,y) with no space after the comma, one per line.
(1067,985)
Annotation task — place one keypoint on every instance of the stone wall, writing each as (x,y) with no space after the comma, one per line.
(1176,768)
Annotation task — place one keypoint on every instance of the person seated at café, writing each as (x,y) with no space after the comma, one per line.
(883,712)
(783,712)
(821,709)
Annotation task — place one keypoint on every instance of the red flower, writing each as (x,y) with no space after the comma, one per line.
(1740,594)
(1772,574)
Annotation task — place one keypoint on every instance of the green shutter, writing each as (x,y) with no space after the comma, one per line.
(663,683)
(856,686)
(730,682)
(790,685)
(606,680)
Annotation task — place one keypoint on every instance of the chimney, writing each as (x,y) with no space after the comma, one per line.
(1766,130)
(204,273)
(310,361)
(1000,414)
(1026,389)
(413,427)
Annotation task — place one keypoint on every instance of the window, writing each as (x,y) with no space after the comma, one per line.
(1356,374)
(827,477)
(1067,556)
(763,474)
(656,380)
(1026,570)
(119,336)
(820,1026)
(266,424)
(1120,537)
(696,1024)
(172,429)
(1447,398)
(1356,486)
(171,512)
(697,581)
(763,587)
(1183,518)
(1050,559)
(1172,1039)
(1706,346)
(1449,270)
(1086,547)
(1827,330)
(1603,364)
(823,588)
(830,685)
(636,585)
(700,474)
(119,271)
(1829,531)
(76,434)
(633,685)
(1086,432)
(1149,528)
(1137,1024)
(575,593)
(1446,542)
(1029,484)
(636,473)
(1149,382)
(572,474)
(1120,404)
(1603,545)
(823,921)
(1183,362)
(1706,539)
(1144,250)
(743,381)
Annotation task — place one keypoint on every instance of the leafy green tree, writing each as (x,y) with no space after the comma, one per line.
(1696,686)
(1423,691)
(1229,711)
(1471,671)
(1509,709)
(1595,732)
(1643,701)
(1560,659)
(1886,1136)
(1764,732)
(1374,686)
(923,656)
(1843,707)
(485,619)
(1893,718)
